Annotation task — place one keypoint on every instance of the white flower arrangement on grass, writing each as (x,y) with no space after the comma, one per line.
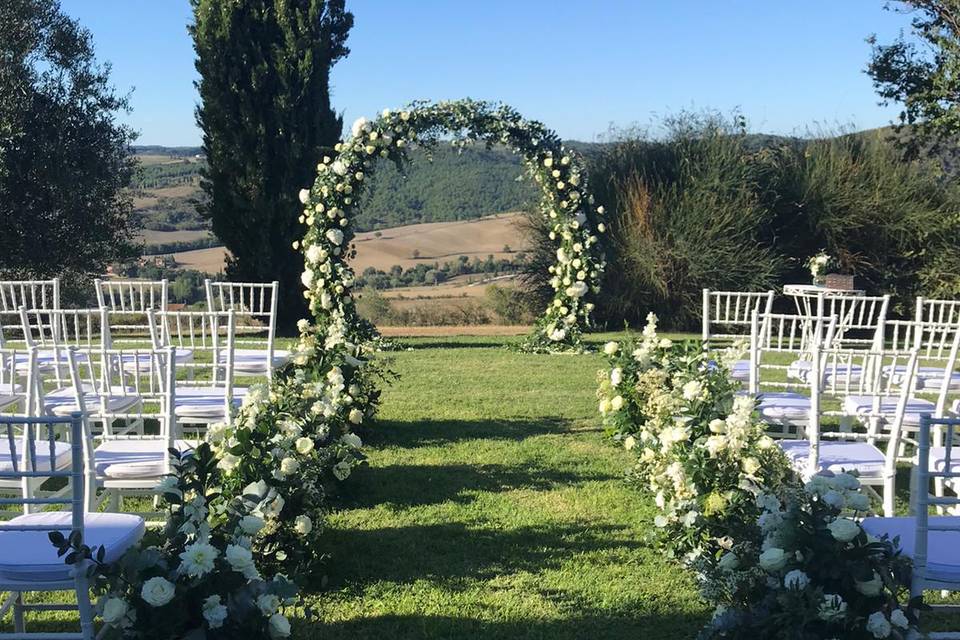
(699,449)
(776,558)
(199,576)
(810,568)
(575,223)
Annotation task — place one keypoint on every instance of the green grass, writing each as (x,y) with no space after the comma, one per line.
(493,507)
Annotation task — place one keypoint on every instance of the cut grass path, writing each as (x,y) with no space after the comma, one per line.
(494,508)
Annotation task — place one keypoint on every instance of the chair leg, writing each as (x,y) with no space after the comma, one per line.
(889,484)
(114,505)
(83,604)
(19,626)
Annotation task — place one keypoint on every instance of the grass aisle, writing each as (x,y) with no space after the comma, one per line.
(494,508)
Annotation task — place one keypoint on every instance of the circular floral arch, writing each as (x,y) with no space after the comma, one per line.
(568,208)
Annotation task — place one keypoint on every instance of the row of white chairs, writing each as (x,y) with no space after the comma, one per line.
(127,302)
(726,315)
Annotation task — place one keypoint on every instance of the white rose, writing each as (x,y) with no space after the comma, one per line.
(268,604)
(356,417)
(114,611)
(844,530)
(629,443)
(157,591)
(558,334)
(611,348)
(717,426)
(303,525)
(878,625)
(359,126)
(898,619)
(616,376)
(241,560)
(251,525)
(335,236)
(214,612)
(773,559)
(279,626)
(616,403)
(289,466)
(352,439)
(304,445)
(796,579)
(858,502)
(304,195)
(307,277)
(577,290)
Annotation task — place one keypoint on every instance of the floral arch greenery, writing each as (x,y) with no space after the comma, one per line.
(565,203)
(294,440)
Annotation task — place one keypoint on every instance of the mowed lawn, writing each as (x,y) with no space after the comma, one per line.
(493,507)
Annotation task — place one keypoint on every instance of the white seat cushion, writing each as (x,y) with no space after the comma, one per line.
(943,552)
(28,556)
(927,377)
(61,455)
(204,402)
(254,360)
(142,361)
(132,459)
(836,456)
(832,373)
(863,405)
(63,402)
(784,406)
(740,370)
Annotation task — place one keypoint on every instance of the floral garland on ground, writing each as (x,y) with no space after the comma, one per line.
(775,557)
(574,220)
(200,577)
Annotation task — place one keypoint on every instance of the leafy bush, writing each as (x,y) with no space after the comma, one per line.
(709,205)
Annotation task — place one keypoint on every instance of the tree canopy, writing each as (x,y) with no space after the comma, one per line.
(267,121)
(921,71)
(64,158)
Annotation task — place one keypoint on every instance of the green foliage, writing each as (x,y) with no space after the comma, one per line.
(920,72)
(154,176)
(64,160)
(444,184)
(266,123)
(707,206)
(511,304)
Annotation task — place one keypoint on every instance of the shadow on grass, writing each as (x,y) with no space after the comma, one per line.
(425,433)
(585,623)
(452,553)
(415,485)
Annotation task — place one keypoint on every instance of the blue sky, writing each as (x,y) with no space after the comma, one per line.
(579,67)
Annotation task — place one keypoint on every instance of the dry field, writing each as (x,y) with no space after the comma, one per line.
(154,195)
(436,242)
(148,236)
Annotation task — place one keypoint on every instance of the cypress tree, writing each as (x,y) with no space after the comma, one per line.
(265,114)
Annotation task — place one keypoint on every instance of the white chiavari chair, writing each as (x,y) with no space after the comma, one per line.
(32,294)
(52,331)
(930,541)
(209,396)
(934,341)
(29,563)
(937,311)
(255,306)
(127,302)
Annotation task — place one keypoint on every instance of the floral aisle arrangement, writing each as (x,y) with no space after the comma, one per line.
(576,224)
(201,577)
(776,557)
(699,449)
(811,572)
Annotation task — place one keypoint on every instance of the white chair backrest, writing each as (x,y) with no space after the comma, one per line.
(777,335)
(35,440)
(61,328)
(17,365)
(858,316)
(211,334)
(127,302)
(256,301)
(937,311)
(731,311)
(32,294)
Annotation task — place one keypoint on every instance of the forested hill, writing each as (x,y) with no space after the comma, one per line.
(437,185)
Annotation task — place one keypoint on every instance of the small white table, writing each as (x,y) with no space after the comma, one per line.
(805,294)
